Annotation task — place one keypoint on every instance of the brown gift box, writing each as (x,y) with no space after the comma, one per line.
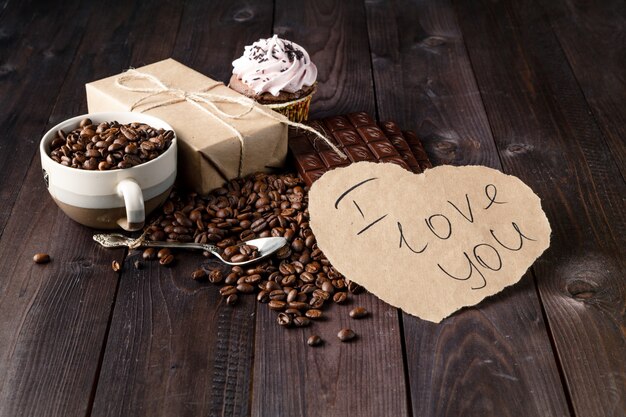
(210,150)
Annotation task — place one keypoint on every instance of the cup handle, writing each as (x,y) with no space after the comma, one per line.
(133,200)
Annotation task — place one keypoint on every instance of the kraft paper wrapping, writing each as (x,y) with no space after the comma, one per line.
(209,151)
(430,243)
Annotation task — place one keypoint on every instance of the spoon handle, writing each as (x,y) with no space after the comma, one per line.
(190,245)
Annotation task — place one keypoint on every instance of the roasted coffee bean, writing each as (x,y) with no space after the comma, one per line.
(284,319)
(358,313)
(263,297)
(105,146)
(292,295)
(167,260)
(198,274)
(41,258)
(240,257)
(355,288)
(149,254)
(277,305)
(314,340)
(115,265)
(298,305)
(216,276)
(245,288)
(293,312)
(346,335)
(228,252)
(278,295)
(313,313)
(340,297)
(301,321)
(231,278)
(227,290)
(163,253)
(232,299)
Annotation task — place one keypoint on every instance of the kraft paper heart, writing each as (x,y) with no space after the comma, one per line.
(429,243)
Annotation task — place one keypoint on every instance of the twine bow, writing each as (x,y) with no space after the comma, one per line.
(205,101)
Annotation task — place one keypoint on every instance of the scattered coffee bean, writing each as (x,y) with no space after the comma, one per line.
(163,253)
(41,258)
(109,145)
(167,260)
(313,313)
(314,340)
(284,319)
(245,288)
(232,299)
(277,305)
(346,335)
(340,297)
(198,274)
(216,276)
(115,265)
(358,313)
(149,254)
(297,281)
(301,321)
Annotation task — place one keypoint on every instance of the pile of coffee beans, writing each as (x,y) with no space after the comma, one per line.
(296,281)
(109,145)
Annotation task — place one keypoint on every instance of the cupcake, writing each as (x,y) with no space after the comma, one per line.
(278,74)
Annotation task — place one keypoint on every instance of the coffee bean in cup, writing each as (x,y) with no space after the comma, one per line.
(109,145)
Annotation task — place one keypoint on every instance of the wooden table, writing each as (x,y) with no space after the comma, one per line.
(534,88)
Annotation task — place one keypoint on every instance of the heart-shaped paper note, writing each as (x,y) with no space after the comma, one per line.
(429,243)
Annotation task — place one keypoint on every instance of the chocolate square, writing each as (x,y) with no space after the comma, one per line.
(399,143)
(347,137)
(359,153)
(371,133)
(337,123)
(309,162)
(331,159)
(360,119)
(390,128)
(382,149)
(396,160)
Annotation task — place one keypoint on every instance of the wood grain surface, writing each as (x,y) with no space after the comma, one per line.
(175,348)
(556,147)
(593,42)
(365,377)
(535,88)
(453,365)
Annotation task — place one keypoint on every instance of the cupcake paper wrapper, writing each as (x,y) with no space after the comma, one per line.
(295,110)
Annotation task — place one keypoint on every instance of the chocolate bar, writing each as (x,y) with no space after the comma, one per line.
(359,137)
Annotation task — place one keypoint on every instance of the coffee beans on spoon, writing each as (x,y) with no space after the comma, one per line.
(109,145)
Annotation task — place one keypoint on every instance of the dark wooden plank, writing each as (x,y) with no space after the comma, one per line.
(54,324)
(547,137)
(593,41)
(500,349)
(175,348)
(36,51)
(53,317)
(335,36)
(366,377)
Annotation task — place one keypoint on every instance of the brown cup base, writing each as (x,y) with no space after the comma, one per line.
(108,218)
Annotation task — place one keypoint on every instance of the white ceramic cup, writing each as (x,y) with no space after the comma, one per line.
(114,198)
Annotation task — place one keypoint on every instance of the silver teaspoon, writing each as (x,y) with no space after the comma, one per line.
(265,245)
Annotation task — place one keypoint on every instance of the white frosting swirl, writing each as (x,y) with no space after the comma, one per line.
(274,64)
